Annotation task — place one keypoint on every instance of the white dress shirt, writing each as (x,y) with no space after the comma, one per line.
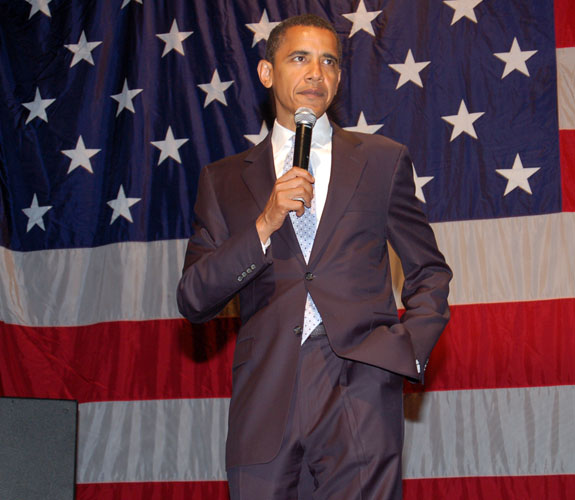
(319,158)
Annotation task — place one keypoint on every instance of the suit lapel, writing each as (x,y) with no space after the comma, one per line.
(260,178)
(259,175)
(346,167)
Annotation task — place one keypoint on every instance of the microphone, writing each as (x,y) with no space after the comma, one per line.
(304,120)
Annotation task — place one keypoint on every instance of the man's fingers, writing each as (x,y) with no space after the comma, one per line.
(295,190)
(292,192)
(300,211)
(296,203)
(295,172)
(303,196)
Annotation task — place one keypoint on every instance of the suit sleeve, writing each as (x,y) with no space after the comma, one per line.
(218,262)
(427,276)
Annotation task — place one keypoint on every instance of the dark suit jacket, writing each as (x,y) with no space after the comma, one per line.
(371,200)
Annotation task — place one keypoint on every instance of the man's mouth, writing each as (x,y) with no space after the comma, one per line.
(313,92)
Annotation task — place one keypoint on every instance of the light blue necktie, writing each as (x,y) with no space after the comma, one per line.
(305,228)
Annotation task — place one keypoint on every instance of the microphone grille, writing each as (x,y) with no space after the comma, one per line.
(305,116)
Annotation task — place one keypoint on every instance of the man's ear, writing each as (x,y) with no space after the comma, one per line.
(265,72)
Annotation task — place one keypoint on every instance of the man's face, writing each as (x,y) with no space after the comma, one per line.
(305,72)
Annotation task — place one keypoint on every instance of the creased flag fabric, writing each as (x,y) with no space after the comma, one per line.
(110,109)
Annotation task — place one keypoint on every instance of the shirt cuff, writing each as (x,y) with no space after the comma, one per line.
(266,245)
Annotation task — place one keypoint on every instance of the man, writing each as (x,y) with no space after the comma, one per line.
(319,360)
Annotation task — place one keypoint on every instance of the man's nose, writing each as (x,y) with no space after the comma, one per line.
(315,71)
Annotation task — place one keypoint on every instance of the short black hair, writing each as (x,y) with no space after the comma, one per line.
(278,33)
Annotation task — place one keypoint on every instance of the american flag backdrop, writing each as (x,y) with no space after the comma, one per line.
(110,108)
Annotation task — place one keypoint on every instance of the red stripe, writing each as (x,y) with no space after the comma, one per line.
(517,344)
(481,488)
(564,26)
(484,346)
(197,490)
(128,360)
(468,488)
(567,145)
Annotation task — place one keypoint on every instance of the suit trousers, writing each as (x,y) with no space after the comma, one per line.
(343,438)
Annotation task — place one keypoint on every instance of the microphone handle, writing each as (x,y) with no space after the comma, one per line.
(302,146)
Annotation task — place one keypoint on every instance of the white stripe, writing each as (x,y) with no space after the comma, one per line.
(492,432)
(496,260)
(82,286)
(511,259)
(566,87)
(157,440)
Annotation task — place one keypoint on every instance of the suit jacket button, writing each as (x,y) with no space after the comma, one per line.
(309,276)
(298,330)
(240,278)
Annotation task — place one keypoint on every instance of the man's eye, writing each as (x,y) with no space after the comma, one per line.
(329,62)
(298,58)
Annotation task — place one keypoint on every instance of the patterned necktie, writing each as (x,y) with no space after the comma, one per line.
(305,228)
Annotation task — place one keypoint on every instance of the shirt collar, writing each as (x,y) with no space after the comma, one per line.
(321,134)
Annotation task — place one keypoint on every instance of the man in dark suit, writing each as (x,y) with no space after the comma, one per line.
(321,355)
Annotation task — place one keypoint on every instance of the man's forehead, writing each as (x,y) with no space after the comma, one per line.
(304,52)
(300,35)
